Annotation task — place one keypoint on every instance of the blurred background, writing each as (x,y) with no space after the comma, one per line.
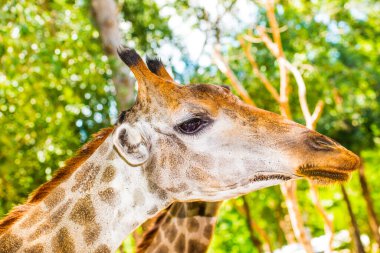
(60,81)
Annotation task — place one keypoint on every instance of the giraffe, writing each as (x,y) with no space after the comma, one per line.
(176,144)
(194,222)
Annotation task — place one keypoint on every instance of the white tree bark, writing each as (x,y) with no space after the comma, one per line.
(105,13)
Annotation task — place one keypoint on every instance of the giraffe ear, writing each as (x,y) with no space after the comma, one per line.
(130,144)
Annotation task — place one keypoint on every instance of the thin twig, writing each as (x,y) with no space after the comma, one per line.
(269,5)
(317,113)
(301,87)
(273,48)
(252,39)
(225,68)
(284,79)
(256,70)
(253,226)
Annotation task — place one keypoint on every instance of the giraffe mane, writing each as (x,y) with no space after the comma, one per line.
(60,176)
(151,233)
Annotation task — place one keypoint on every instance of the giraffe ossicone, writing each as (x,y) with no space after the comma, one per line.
(177,143)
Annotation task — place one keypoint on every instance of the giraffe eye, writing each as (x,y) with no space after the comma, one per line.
(192,126)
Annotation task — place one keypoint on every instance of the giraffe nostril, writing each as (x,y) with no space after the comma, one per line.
(320,143)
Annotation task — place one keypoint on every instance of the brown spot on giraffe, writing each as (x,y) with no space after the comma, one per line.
(54,198)
(108,195)
(103,149)
(62,242)
(180,244)
(196,173)
(10,243)
(155,189)
(163,249)
(38,248)
(150,169)
(193,224)
(153,210)
(208,230)
(176,159)
(102,249)
(108,174)
(203,160)
(195,246)
(112,156)
(83,211)
(173,139)
(84,214)
(85,178)
(171,232)
(180,188)
(91,233)
(33,218)
(51,222)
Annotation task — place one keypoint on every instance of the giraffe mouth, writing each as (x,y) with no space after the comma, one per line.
(262,178)
(324,174)
(257,182)
(267,177)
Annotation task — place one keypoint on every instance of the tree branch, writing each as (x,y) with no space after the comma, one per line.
(276,50)
(301,88)
(357,241)
(105,15)
(253,226)
(317,113)
(256,70)
(225,69)
(269,6)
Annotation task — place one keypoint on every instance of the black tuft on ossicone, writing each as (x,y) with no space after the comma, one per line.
(128,55)
(154,64)
(227,87)
(122,117)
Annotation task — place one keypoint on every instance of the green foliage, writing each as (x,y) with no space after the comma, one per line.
(147,27)
(54,91)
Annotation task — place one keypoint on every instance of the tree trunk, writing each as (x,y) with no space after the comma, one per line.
(289,191)
(358,243)
(329,226)
(245,212)
(255,227)
(285,225)
(105,13)
(372,219)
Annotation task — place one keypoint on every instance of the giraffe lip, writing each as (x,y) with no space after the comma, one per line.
(324,174)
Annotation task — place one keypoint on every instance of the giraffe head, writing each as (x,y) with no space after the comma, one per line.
(200,142)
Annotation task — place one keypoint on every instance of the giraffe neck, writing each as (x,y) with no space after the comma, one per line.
(184,227)
(94,209)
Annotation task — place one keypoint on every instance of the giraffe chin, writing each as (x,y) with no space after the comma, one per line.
(232,191)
